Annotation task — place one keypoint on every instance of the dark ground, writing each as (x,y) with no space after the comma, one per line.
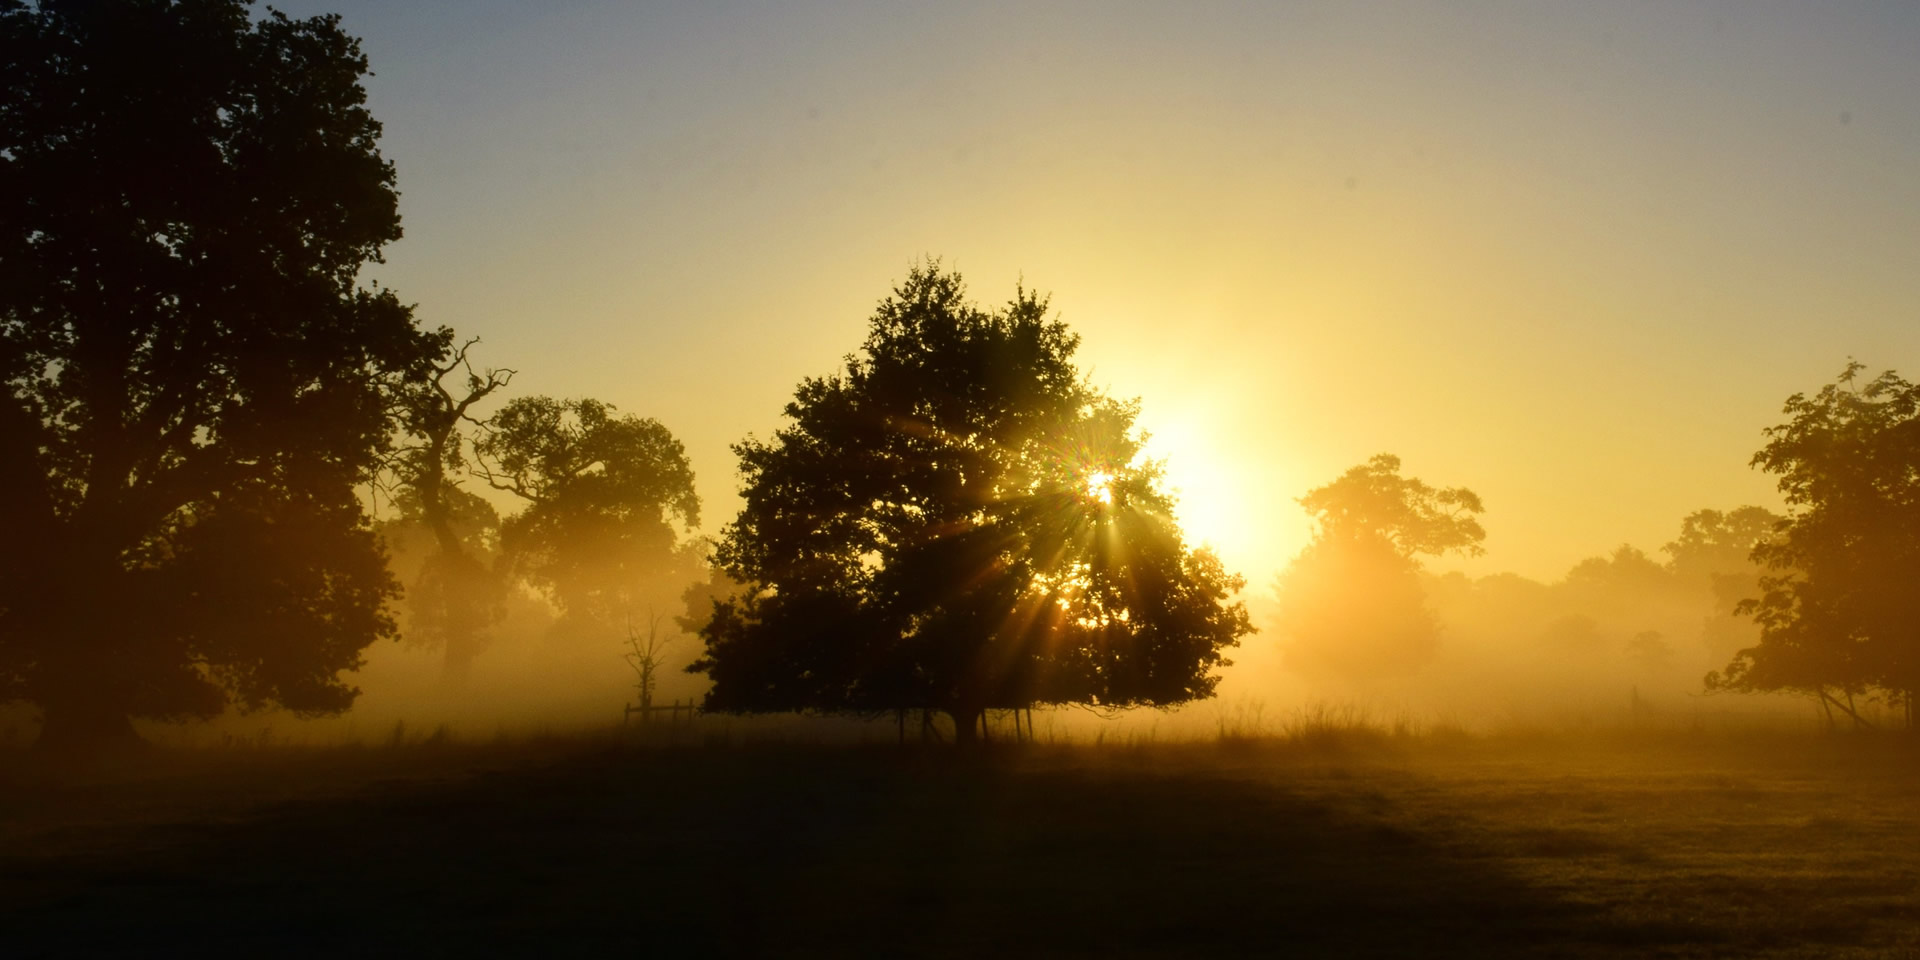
(1804,847)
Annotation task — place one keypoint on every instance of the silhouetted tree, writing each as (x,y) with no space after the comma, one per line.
(1354,609)
(455,594)
(604,493)
(1373,501)
(646,654)
(1838,609)
(453,598)
(1627,572)
(1713,543)
(195,381)
(958,522)
(1351,604)
(1715,551)
(711,586)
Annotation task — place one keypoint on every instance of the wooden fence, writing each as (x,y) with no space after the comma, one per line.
(647,711)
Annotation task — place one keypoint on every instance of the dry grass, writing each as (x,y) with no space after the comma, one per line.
(1340,838)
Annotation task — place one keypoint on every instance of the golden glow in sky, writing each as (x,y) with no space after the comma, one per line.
(1570,255)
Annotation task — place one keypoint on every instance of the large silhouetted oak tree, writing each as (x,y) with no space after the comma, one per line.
(1839,608)
(956,521)
(195,380)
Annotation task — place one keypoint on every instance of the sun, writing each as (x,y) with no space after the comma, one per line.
(1100,487)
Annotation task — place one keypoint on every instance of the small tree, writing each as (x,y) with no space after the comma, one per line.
(194,380)
(646,654)
(1351,604)
(957,522)
(1837,609)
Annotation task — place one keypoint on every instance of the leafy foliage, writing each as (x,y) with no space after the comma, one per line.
(1373,500)
(1712,542)
(195,381)
(1351,604)
(1837,607)
(1716,549)
(956,521)
(603,495)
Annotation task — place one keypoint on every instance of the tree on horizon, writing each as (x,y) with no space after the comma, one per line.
(1352,606)
(606,496)
(956,521)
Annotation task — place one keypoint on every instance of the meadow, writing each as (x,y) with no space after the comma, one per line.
(1325,840)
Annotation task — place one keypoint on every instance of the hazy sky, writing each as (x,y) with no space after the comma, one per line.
(1571,255)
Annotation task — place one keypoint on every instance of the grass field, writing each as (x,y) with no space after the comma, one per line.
(1331,844)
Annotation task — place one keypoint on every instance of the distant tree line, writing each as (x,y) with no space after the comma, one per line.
(1831,586)
(1357,618)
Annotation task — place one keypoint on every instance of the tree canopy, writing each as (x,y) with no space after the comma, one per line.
(1715,551)
(195,379)
(1351,604)
(1715,543)
(957,521)
(1837,609)
(604,492)
(1374,501)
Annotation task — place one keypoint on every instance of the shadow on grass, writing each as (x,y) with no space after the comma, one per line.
(796,852)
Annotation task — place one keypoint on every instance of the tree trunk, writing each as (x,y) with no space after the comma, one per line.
(1859,722)
(456,661)
(966,725)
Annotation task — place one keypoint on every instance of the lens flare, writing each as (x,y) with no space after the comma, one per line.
(1100,487)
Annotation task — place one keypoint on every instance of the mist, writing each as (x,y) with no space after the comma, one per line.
(857,479)
(1622,641)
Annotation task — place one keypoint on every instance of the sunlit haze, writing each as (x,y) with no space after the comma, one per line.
(1571,255)
(740,478)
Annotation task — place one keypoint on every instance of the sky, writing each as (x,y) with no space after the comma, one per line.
(1573,256)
